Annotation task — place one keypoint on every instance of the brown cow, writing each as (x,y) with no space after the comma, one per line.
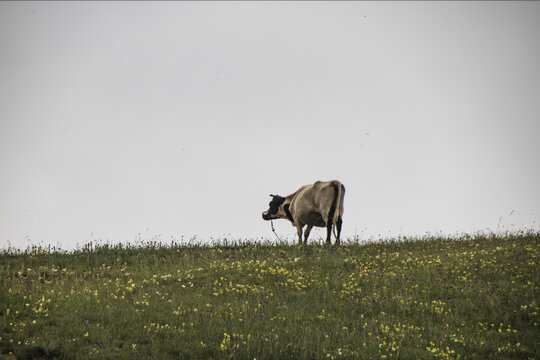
(319,204)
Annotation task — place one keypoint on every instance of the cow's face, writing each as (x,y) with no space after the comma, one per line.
(275,210)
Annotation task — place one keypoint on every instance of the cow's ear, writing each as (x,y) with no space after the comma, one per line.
(272,195)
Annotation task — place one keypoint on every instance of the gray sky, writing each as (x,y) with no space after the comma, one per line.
(180,118)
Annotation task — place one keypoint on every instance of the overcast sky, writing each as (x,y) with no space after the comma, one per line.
(180,118)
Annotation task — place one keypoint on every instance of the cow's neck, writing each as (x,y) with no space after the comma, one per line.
(288,213)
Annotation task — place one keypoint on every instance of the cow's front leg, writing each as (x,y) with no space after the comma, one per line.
(306,233)
(299,232)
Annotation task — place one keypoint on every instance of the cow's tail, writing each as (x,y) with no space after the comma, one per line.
(338,201)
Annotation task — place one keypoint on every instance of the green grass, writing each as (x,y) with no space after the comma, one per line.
(470,298)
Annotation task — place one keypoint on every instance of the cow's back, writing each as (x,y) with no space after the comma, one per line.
(313,203)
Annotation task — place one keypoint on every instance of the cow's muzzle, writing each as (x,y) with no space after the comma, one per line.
(266,216)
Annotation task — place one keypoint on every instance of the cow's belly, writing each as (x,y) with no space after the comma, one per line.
(313,219)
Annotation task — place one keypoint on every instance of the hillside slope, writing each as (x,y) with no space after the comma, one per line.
(470,298)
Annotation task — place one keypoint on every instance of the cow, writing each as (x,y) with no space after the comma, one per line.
(319,204)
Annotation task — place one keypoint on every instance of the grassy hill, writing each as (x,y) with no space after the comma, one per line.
(470,298)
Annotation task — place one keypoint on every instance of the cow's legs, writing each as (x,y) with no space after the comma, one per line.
(299,232)
(329,232)
(306,233)
(338,228)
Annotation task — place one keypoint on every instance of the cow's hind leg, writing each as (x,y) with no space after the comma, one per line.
(338,228)
(329,231)
(306,233)
(329,223)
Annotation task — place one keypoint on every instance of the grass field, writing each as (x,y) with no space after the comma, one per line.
(470,298)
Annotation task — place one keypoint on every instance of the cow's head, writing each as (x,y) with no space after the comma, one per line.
(277,209)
